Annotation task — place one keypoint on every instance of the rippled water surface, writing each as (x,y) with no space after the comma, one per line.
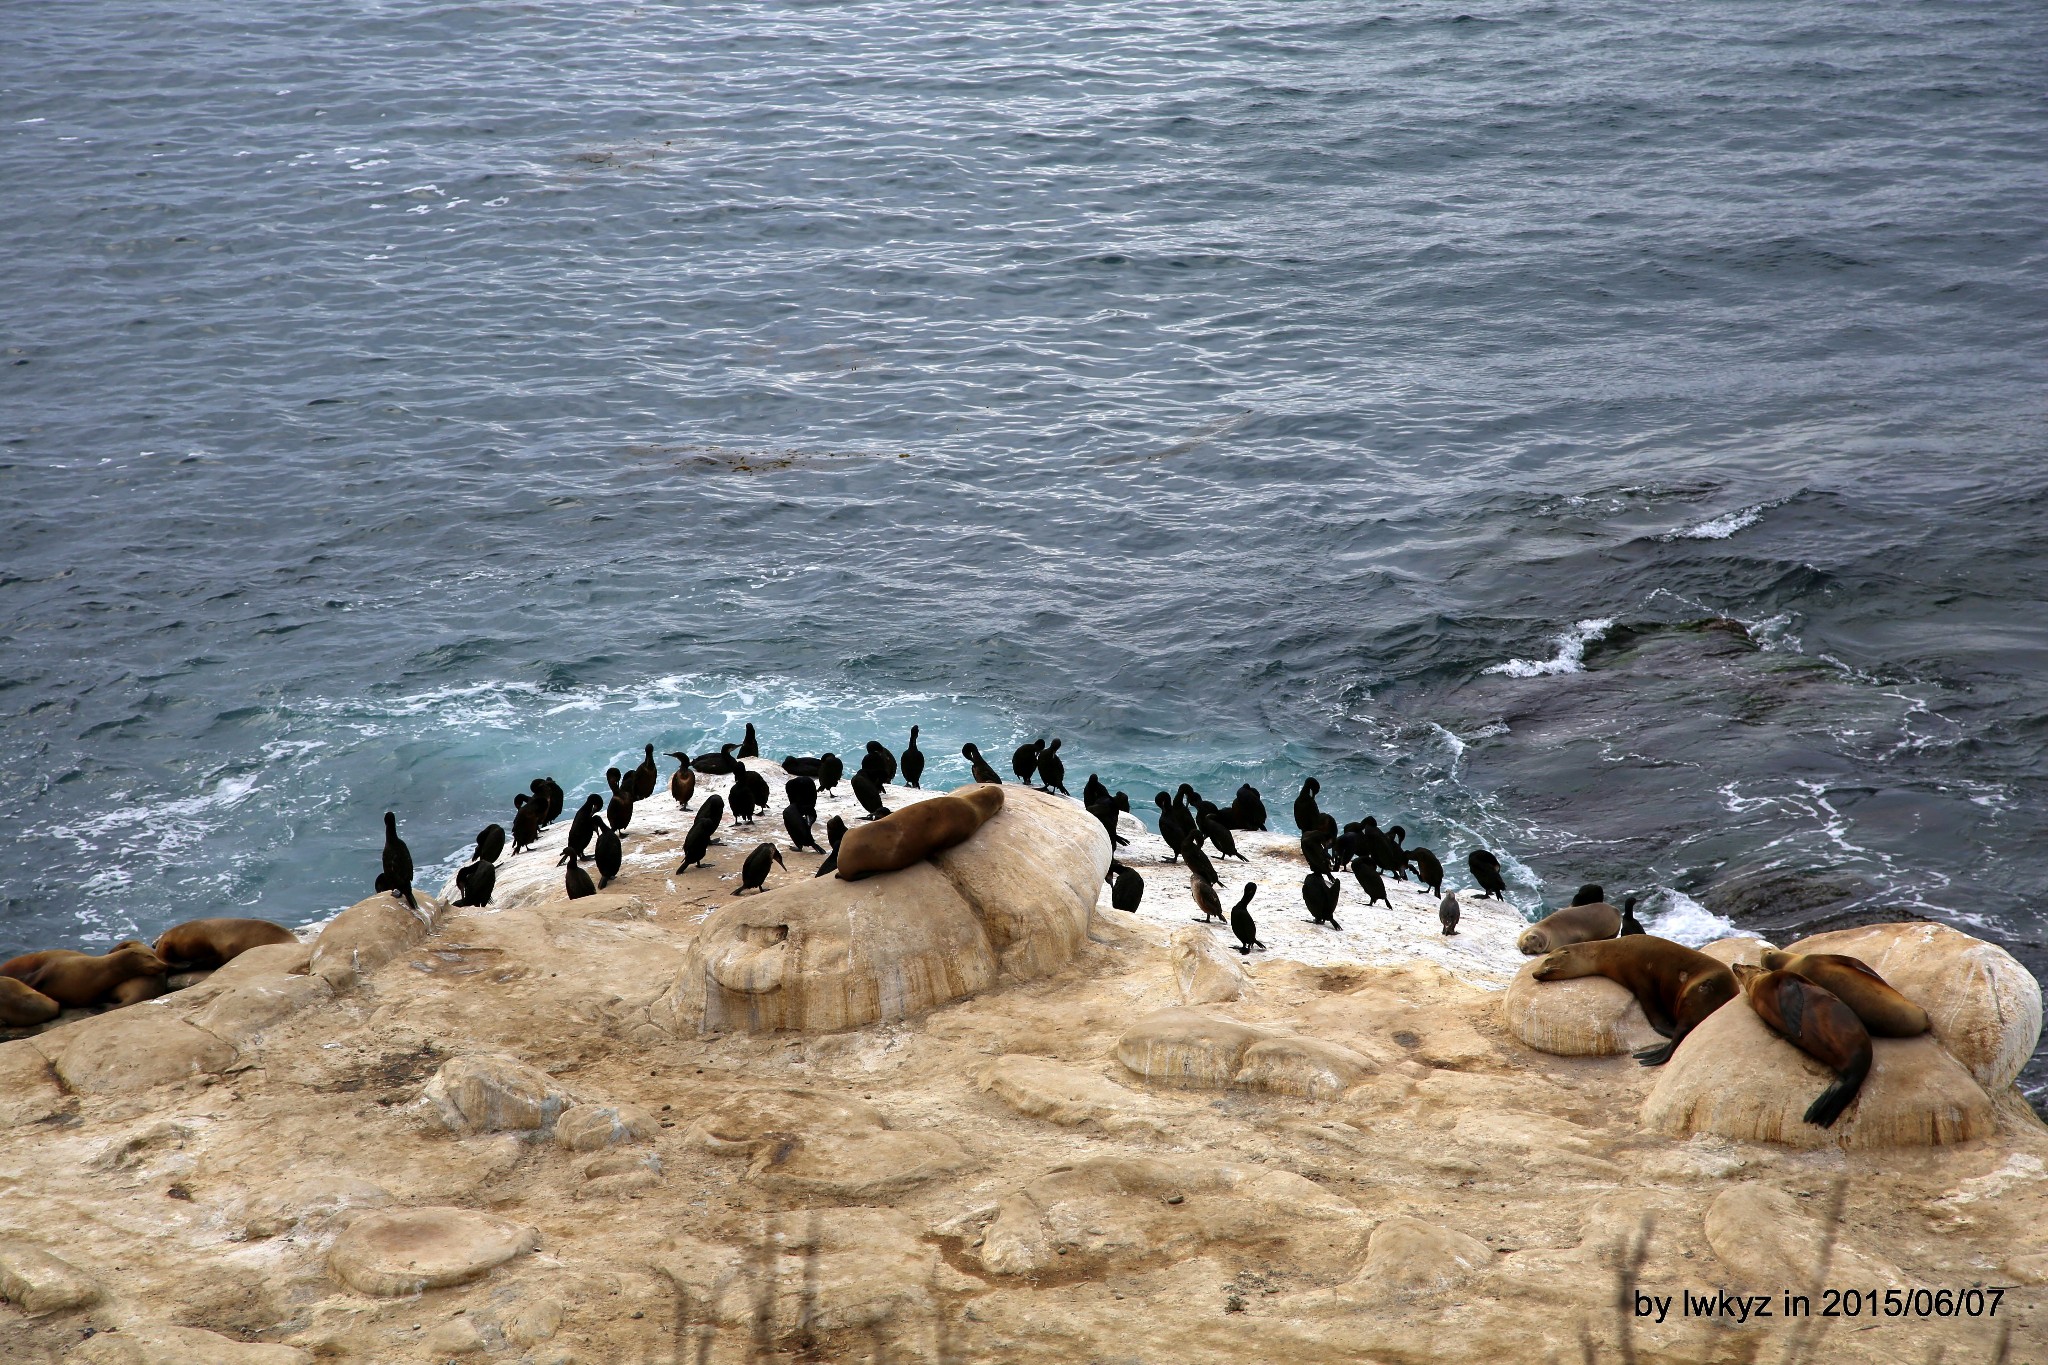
(1611,432)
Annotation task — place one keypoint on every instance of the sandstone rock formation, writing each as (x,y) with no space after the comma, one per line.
(1185,1047)
(405,1251)
(1204,971)
(1586,1016)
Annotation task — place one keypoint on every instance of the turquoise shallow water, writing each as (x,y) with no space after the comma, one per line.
(403,401)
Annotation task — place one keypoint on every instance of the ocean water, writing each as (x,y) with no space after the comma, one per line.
(1611,433)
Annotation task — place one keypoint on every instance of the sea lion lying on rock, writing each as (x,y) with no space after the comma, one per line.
(77,980)
(1883,1011)
(1676,985)
(1819,1025)
(28,964)
(203,944)
(1573,924)
(915,832)
(22,1005)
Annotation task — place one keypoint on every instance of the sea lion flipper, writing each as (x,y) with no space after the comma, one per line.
(1656,1056)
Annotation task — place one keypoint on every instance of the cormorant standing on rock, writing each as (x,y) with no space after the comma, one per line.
(718,764)
(584,825)
(1210,822)
(1370,881)
(802,795)
(869,793)
(646,777)
(1485,870)
(1396,859)
(398,861)
(1589,894)
(619,813)
(745,803)
(756,785)
(750,747)
(913,762)
(1246,810)
(544,789)
(835,830)
(525,821)
(982,772)
(1319,894)
(1206,899)
(1052,769)
(576,881)
(490,842)
(1428,870)
(1024,761)
(1199,864)
(878,763)
(1447,912)
(1241,922)
(682,783)
(754,872)
(799,824)
(1629,923)
(1174,825)
(1126,887)
(1306,812)
(698,841)
(1093,792)
(609,855)
(1107,810)
(830,770)
(475,881)
(800,767)
(1315,851)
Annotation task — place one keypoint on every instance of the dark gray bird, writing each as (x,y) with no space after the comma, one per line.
(1306,812)
(1199,864)
(1175,825)
(835,830)
(718,764)
(1242,924)
(1319,894)
(551,792)
(747,802)
(1052,769)
(913,762)
(1447,912)
(1246,810)
(869,794)
(1210,822)
(583,826)
(800,824)
(1315,850)
(1206,899)
(878,763)
(754,872)
(1629,923)
(1428,870)
(742,775)
(1093,792)
(1396,859)
(490,842)
(646,777)
(1126,887)
(698,841)
(830,770)
(526,821)
(1107,810)
(750,747)
(1024,760)
(619,813)
(800,767)
(1485,869)
(576,881)
(1589,894)
(802,795)
(979,765)
(682,783)
(1370,881)
(475,881)
(397,862)
(608,854)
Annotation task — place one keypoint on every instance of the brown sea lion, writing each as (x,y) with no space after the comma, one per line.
(915,832)
(77,980)
(1819,1025)
(1884,1012)
(23,967)
(22,1005)
(137,989)
(200,944)
(1573,924)
(1676,986)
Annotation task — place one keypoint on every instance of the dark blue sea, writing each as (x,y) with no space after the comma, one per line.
(1609,432)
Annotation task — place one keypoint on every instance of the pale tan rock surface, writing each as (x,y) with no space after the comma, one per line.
(493,1095)
(1985,1007)
(404,1251)
(1194,1049)
(1068,1096)
(369,934)
(1586,1016)
(1734,1077)
(594,1127)
(1409,1256)
(29,1089)
(1745,949)
(137,1048)
(1771,1241)
(38,1282)
(810,1143)
(1204,972)
(166,1345)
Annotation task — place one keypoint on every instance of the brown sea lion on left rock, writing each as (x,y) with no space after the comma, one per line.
(22,1005)
(201,944)
(23,967)
(1574,924)
(915,832)
(77,980)
(1677,986)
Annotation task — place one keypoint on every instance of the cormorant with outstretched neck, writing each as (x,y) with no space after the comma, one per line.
(830,770)
(1447,912)
(715,765)
(754,871)
(609,855)
(750,747)
(1370,881)
(1629,923)
(490,842)
(1052,769)
(576,881)
(619,813)
(646,777)
(1242,924)
(698,841)
(869,793)
(1428,870)
(584,825)
(979,765)
(1126,887)
(1206,900)
(1174,826)
(878,763)
(913,762)
(1485,870)
(1306,812)
(1024,761)
(800,824)
(1319,894)
(397,861)
(525,821)
(682,783)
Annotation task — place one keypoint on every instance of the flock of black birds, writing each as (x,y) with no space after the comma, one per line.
(1187,822)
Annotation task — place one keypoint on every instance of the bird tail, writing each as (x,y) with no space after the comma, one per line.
(407,889)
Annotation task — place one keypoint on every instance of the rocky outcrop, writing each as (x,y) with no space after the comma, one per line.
(1734,1077)
(369,934)
(137,1048)
(804,1142)
(1985,1007)
(1073,1099)
(493,1095)
(405,1251)
(157,1344)
(1188,1048)
(1769,1241)
(1203,972)
(38,1282)
(1586,1016)
(1409,1256)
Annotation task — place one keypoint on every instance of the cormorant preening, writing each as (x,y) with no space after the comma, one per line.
(1428,870)
(1306,812)
(526,821)
(1589,894)
(1126,887)
(609,855)
(800,767)
(799,823)
(1093,792)
(682,783)
(576,881)
(1107,810)
(1175,826)
(397,861)
(1319,894)
(1052,769)
(619,813)
(802,795)
(475,881)
(698,841)
(1485,869)
(490,842)
(1024,761)
(1246,810)
(869,794)
(754,872)
(584,825)
(982,772)
(878,763)
(830,770)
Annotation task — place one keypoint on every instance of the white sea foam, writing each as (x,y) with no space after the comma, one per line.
(1686,921)
(1570,656)
(1721,527)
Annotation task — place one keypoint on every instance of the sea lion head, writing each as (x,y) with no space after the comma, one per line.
(1533,943)
(1745,973)
(1775,958)
(985,797)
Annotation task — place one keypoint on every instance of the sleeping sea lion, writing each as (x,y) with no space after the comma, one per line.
(1573,924)
(1819,1025)
(22,1005)
(23,967)
(917,831)
(1884,1012)
(78,980)
(202,944)
(1676,985)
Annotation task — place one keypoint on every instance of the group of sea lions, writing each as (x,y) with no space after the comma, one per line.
(1827,1005)
(34,987)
